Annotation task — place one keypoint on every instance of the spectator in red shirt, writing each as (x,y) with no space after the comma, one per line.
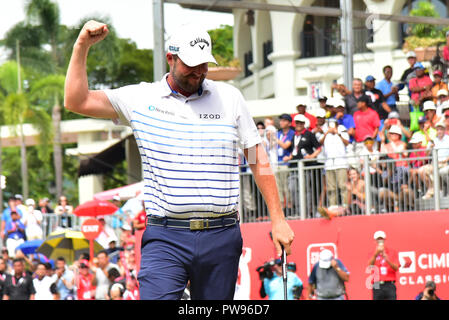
(446,49)
(132,289)
(367,123)
(421,85)
(85,291)
(416,162)
(301,108)
(386,264)
(126,237)
(139,222)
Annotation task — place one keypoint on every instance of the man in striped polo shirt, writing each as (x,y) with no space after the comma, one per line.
(188,130)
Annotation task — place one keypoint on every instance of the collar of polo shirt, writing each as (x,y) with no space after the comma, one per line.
(167,90)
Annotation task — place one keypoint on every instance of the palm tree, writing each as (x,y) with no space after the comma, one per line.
(2,121)
(17,111)
(50,91)
(46,14)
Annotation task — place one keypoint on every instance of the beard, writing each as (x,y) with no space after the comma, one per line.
(188,83)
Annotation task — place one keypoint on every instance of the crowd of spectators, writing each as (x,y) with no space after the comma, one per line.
(110,275)
(364,121)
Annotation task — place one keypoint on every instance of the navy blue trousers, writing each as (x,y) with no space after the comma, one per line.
(172,256)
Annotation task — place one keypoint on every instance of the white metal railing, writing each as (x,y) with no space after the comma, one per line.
(389,185)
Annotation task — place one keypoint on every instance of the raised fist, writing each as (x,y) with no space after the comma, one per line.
(92,32)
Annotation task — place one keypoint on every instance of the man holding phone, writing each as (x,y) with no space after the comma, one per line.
(386,264)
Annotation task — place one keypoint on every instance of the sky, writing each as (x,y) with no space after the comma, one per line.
(131,18)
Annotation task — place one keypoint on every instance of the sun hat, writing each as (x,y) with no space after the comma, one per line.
(416,138)
(442,92)
(395,129)
(429,105)
(192,44)
(440,124)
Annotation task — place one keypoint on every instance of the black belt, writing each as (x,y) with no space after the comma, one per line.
(385,282)
(194,223)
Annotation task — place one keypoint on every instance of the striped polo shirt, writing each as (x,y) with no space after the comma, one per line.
(188,145)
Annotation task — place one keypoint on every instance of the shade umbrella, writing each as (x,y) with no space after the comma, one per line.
(125,192)
(94,208)
(29,247)
(66,243)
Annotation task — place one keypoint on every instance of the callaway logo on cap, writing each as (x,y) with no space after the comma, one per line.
(192,45)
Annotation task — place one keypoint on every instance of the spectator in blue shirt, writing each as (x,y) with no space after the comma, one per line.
(343,118)
(64,279)
(15,233)
(119,216)
(6,216)
(284,142)
(387,87)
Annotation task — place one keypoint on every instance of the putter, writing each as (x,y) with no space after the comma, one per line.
(284,271)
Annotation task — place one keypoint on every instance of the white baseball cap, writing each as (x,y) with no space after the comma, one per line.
(444,105)
(302,118)
(325,259)
(429,105)
(411,54)
(321,113)
(442,92)
(379,234)
(192,44)
(395,129)
(393,115)
(440,124)
(417,138)
(30,202)
(338,103)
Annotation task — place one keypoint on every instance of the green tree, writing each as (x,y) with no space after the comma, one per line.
(133,66)
(2,122)
(223,45)
(17,111)
(49,92)
(422,30)
(45,14)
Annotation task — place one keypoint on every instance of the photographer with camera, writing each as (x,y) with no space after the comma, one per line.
(272,283)
(429,292)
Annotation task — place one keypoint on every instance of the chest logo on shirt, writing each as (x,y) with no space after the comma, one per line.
(154,108)
(212,116)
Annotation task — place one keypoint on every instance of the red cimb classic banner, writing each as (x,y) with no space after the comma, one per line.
(420,238)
